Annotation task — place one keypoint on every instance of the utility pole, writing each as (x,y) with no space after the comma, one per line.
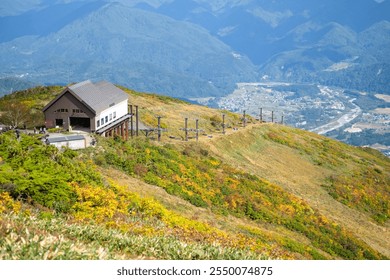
(131,121)
(158,128)
(223,124)
(282,121)
(244,121)
(186,128)
(197,129)
(136,120)
(272,116)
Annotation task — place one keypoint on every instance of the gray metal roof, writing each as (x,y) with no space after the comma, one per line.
(99,96)
(65,138)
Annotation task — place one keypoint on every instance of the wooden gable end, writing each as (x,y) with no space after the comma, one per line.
(65,107)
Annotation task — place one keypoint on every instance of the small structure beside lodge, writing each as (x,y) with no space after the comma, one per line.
(101,108)
(73,142)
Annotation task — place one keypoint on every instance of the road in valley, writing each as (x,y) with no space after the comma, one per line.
(340,122)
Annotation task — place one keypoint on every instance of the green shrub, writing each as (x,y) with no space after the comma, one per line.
(40,174)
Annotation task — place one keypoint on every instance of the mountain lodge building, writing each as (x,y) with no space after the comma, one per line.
(101,108)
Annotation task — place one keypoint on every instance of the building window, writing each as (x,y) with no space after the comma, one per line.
(77,111)
(114,115)
(106,119)
(102,121)
(98,123)
(110,117)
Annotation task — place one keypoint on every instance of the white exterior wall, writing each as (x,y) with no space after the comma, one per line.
(78,144)
(119,109)
(73,145)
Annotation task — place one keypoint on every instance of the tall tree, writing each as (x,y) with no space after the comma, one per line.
(16,114)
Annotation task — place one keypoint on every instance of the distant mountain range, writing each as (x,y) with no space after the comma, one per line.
(195,48)
(140,49)
(344,43)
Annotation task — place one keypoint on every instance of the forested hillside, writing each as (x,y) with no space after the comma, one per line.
(195,48)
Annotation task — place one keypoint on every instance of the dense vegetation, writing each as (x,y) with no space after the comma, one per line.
(25,107)
(29,234)
(245,216)
(365,189)
(66,182)
(207,182)
(66,189)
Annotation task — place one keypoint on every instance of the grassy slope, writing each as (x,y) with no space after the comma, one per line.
(299,162)
(302,163)
(304,170)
